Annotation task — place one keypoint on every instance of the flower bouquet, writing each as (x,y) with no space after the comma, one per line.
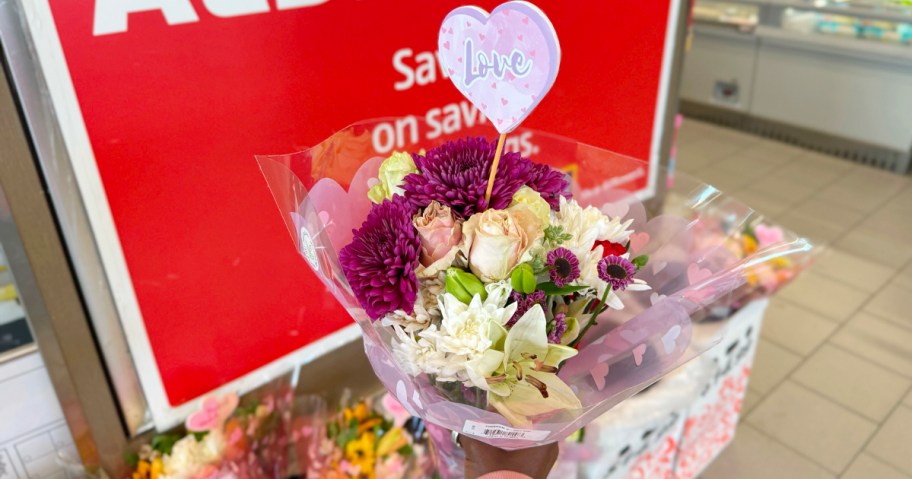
(372,438)
(520,317)
(224,439)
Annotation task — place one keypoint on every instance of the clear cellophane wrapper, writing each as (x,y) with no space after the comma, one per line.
(688,234)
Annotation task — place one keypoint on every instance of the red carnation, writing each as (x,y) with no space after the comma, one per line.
(610,249)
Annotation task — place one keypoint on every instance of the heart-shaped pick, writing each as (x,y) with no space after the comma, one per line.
(213,413)
(504,63)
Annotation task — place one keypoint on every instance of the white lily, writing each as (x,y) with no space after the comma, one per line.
(521,379)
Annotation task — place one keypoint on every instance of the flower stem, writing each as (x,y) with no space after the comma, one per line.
(592,320)
(500,145)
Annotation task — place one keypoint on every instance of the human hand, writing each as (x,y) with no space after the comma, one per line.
(481,458)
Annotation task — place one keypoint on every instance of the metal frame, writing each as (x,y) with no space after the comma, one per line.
(49,293)
(51,153)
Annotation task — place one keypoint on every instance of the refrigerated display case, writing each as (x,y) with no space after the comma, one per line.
(832,75)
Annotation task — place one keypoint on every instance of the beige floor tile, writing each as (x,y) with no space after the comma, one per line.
(702,153)
(831,298)
(723,179)
(811,425)
(753,455)
(747,165)
(795,328)
(893,442)
(856,383)
(778,152)
(765,153)
(908,400)
(867,466)
(877,248)
(904,278)
(751,399)
(764,203)
(848,268)
(823,211)
(812,228)
(889,222)
(772,364)
(902,202)
(826,162)
(865,189)
(785,189)
(809,173)
(878,340)
(893,303)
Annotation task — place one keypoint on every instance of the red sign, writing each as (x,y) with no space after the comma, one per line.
(177,96)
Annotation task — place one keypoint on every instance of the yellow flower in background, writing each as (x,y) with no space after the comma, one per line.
(392,174)
(157,469)
(360,453)
(359,413)
(391,442)
(749,244)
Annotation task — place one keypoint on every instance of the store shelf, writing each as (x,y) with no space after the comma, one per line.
(900,56)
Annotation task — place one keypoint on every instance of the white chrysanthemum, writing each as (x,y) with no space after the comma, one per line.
(589,276)
(426,308)
(463,329)
(416,355)
(588,225)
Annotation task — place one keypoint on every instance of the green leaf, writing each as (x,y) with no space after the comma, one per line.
(200,435)
(640,261)
(406,451)
(523,279)
(164,443)
(132,458)
(551,289)
(554,235)
(464,285)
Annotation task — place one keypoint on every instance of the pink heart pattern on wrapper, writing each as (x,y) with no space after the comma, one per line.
(510,59)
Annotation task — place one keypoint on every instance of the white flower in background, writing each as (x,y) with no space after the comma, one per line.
(189,456)
(588,225)
(589,276)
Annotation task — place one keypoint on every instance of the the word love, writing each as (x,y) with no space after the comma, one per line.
(480,66)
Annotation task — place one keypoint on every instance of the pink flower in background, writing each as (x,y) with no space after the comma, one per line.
(395,409)
(768,235)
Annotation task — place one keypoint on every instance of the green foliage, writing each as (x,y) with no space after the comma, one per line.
(551,289)
(555,236)
(523,278)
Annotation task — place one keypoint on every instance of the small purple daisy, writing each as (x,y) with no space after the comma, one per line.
(559,328)
(380,261)
(616,271)
(524,303)
(563,266)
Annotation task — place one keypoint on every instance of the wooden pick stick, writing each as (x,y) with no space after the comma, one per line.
(497,152)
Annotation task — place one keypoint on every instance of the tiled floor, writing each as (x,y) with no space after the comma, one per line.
(831,391)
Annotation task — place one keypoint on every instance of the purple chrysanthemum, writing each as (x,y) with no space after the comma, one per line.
(558,329)
(563,266)
(616,271)
(551,184)
(524,303)
(380,262)
(456,175)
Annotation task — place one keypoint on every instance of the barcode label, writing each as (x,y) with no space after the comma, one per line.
(503,432)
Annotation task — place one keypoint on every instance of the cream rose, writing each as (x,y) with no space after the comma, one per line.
(440,236)
(496,240)
(534,201)
(392,174)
